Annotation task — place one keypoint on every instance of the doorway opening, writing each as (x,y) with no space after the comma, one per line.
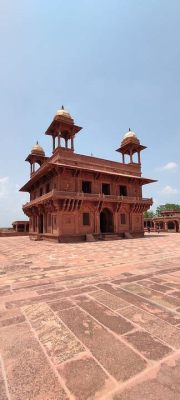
(106,221)
(171,225)
(41,223)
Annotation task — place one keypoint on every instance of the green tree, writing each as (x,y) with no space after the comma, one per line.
(149,214)
(167,206)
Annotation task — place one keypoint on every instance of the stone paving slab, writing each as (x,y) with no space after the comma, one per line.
(3,394)
(28,374)
(164,385)
(90,320)
(85,378)
(116,357)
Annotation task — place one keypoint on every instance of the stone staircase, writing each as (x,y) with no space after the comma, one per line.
(111,236)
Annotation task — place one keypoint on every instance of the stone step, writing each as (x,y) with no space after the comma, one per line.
(110,236)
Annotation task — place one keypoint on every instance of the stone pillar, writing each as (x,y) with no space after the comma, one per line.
(131,159)
(34,223)
(53,143)
(139,159)
(72,143)
(97,222)
(66,143)
(166,226)
(123,159)
(115,222)
(59,140)
(130,222)
(37,227)
(44,223)
(59,222)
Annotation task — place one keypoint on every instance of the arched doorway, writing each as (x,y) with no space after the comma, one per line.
(171,225)
(106,221)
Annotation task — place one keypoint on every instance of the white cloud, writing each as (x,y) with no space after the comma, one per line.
(170,166)
(168,190)
(4,187)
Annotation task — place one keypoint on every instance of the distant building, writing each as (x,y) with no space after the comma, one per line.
(74,196)
(20,226)
(167,221)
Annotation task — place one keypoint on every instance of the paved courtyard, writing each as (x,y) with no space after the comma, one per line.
(90,320)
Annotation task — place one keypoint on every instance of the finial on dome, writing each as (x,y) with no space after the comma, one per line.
(130,135)
(63,113)
(37,149)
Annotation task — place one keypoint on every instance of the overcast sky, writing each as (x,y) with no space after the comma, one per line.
(113,64)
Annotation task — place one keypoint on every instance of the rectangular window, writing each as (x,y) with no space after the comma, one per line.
(40,191)
(123,190)
(123,219)
(106,188)
(86,219)
(86,187)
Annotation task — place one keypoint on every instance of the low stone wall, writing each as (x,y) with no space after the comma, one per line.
(8,234)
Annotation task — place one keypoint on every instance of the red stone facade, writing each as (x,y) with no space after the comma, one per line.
(76,197)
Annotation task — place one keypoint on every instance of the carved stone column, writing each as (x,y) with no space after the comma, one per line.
(115,215)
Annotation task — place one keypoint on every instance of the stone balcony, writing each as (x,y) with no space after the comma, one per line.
(60,195)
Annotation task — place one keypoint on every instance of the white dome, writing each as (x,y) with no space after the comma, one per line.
(63,113)
(37,149)
(129,134)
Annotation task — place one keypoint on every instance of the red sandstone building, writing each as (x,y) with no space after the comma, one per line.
(77,197)
(167,221)
(20,226)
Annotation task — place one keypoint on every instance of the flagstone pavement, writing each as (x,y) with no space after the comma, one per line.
(90,320)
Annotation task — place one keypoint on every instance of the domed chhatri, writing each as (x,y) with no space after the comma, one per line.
(130,144)
(130,136)
(63,113)
(63,130)
(37,149)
